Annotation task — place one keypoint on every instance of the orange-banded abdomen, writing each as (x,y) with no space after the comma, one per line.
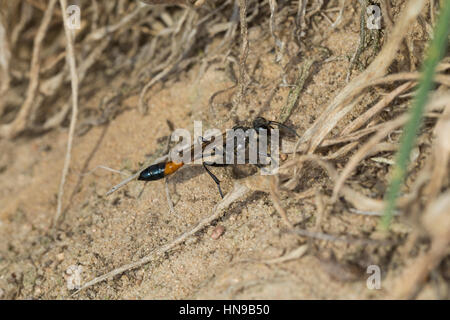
(159,170)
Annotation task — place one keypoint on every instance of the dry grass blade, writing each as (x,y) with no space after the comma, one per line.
(441,152)
(388,127)
(338,20)
(332,114)
(357,123)
(356,199)
(105,31)
(5,57)
(387,16)
(329,237)
(74,81)
(303,74)
(437,222)
(362,38)
(440,78)
(320,209)
(274,194)
(273,28)
(25,17)
(437,102)
(167,2)
(292,255)
(242,81)
(82,70)
(177,60)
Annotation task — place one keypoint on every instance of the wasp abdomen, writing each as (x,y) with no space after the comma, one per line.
(159,171)
(154,172)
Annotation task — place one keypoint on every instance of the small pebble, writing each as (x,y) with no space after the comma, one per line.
(37,292)
(217,232)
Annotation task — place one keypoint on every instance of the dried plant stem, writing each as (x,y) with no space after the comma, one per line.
(274,194)
(362,38)
(244,48)
(74,82)
(328,119)
(5,58)
(303,74)
(329,237)
(361,153)
(358,122)
(20,122)
(338,20)
(238,192)
(387,16)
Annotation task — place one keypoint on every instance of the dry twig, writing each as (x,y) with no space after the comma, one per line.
(74,80)
(238,192)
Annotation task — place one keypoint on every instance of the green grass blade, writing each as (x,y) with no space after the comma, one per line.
(435,53)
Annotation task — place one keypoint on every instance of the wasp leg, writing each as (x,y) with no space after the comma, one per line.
(216,180)
(262,165)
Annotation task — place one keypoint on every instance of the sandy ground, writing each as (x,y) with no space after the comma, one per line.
(101,233)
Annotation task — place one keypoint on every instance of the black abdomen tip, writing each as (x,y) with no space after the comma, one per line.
(154,172)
